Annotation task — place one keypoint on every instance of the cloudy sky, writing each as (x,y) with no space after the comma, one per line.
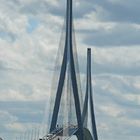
(29,38)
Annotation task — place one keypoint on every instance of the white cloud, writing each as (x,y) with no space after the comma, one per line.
(15,127)
(6,117)
(111,110)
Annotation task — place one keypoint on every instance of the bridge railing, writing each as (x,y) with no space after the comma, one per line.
(59,131)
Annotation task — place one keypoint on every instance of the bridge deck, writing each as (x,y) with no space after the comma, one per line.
(67,131)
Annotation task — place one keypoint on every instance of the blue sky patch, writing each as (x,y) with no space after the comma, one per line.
(32,25)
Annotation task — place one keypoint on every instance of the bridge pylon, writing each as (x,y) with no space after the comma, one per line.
(88,109)
(68,64)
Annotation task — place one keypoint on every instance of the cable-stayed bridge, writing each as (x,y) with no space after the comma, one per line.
(67,113)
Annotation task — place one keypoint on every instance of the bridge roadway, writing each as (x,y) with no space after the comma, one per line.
(62,132)
(65,133)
